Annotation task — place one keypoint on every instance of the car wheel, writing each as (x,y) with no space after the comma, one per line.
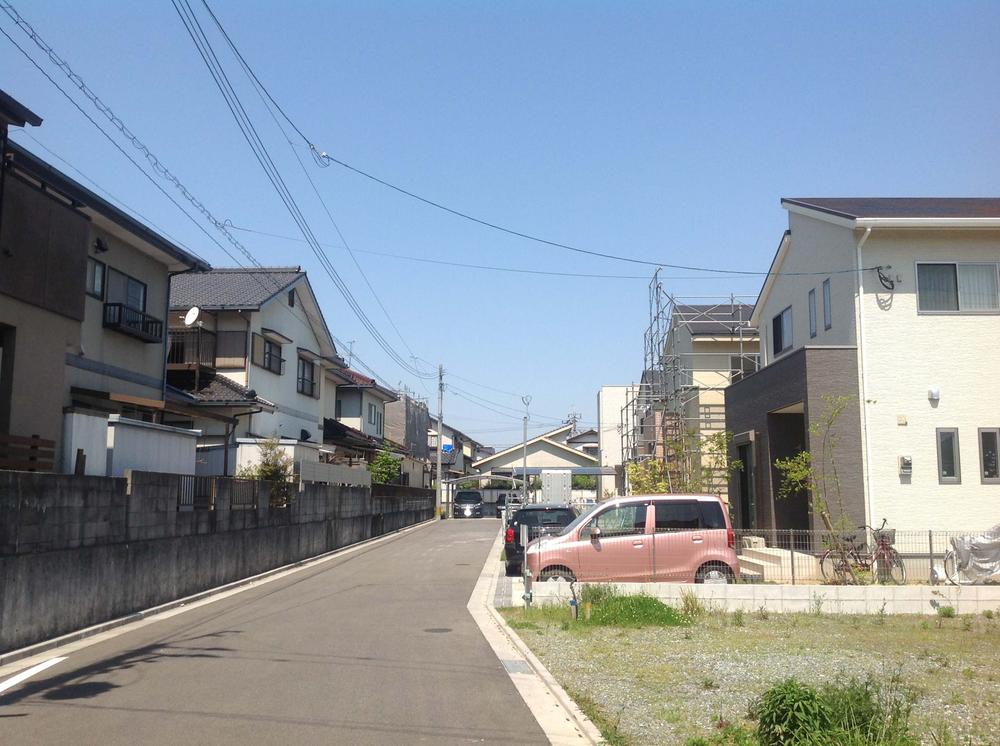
(557,575)
(713,571)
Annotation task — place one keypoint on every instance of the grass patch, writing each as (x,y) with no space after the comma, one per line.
(523,624)
(634,612)
(609,728)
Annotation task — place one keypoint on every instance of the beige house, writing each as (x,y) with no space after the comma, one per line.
(83,306)
(893,303)
(549,450)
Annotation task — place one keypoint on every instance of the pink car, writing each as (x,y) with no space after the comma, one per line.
(653,538)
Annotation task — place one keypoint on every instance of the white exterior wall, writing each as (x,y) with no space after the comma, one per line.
(89,432)
(906,354)
(144,446)
(295,412)
(610,401)
(816,246)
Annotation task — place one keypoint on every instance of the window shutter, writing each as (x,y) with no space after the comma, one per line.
(257,353)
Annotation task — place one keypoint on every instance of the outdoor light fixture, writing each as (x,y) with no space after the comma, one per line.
(934,394)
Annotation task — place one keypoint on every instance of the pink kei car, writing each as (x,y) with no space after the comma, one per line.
(653,538)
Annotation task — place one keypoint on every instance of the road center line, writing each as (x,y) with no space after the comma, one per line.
(29,672)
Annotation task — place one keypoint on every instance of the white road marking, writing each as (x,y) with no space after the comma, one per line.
(28,673)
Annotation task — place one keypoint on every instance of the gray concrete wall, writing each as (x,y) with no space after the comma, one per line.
(76,551)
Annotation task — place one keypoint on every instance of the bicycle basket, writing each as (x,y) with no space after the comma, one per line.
(887,535)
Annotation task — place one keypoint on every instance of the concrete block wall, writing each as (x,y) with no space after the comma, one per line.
(77,551)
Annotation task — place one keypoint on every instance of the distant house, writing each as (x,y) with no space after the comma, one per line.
(893,304)
(361,404)
(549,450)
(252,344)
(586,441)
(458,450)
(406,423)
(83,306)
(611,401)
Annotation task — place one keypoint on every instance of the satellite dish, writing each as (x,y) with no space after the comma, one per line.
(191,316)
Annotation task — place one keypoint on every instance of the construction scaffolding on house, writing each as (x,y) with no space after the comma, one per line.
(693,348)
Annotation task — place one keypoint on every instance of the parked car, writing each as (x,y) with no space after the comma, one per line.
(542,519)
(468,504)
(653,538)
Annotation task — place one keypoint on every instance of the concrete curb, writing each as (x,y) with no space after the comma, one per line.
(556,712)
(200,598)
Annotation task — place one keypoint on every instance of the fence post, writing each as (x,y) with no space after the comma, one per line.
(930,554)
(791,545)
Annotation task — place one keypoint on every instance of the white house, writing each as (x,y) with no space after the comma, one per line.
(546,451)
(258,341)
(361,403)
(895,304)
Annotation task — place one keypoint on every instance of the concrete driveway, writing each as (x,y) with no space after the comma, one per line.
(376,647)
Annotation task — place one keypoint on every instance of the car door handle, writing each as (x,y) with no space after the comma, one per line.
(637,544)
(697,538)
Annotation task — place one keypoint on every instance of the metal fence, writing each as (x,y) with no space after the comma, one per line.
(789,556)
(204,493)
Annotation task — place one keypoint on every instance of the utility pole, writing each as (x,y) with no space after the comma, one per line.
(524,457)
(440,435)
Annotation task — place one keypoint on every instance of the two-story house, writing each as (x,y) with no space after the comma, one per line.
(83,303)
(361,404)
(886,309)
(262,330)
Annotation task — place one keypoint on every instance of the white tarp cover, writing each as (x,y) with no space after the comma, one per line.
(978,555)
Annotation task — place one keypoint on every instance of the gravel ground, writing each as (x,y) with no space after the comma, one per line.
(664,685)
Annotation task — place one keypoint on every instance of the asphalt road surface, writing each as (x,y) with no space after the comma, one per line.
(376,647)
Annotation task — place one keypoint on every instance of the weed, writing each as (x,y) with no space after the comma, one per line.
(636,611)
(613,735)
(956,699)
(816,605)
(708,684)
(924,625)
(598,593)
(946,612)
(564,626)
(762,613)
(967,624)
(881,615)
(968,673)
(691,605)
(988,613)
(738,618)
(523,624)
(788,712)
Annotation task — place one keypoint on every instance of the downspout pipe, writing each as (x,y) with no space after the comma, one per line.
(863,375)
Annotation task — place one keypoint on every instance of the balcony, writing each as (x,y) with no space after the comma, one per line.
(191,348)
(135,323)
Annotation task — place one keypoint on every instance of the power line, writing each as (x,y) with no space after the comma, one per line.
(263,157)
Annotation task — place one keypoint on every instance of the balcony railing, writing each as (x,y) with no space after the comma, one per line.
(190,347)
(135,323)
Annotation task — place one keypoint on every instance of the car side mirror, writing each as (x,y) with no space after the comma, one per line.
(595,533)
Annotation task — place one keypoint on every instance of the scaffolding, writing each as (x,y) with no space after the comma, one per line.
(693,348)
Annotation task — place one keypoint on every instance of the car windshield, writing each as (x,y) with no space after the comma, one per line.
(551,517)
(582,518)
(468,498)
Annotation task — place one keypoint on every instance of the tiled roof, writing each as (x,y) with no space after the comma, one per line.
(902,207)
(358,378)
(223,390)
(230,287)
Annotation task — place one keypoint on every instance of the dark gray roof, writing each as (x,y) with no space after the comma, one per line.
(16,113)
(713,319)
(223,391)
(231,287)
(901,207)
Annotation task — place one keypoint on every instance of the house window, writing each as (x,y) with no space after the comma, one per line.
(781,331)
(812,313)
(963,287)
(95,278)
(338,409)
(949,466)
(291,299)
(827,305)
(267,354)
(371,414)
(306,383)
(989,454)
(127,290)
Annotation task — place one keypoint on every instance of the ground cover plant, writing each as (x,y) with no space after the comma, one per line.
(724,679)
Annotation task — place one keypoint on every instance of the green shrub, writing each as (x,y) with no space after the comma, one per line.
(595,593)
(788,713)
(738,618)
(636,611)
(946,612)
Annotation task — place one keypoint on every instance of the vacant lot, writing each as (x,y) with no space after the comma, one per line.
(666,684)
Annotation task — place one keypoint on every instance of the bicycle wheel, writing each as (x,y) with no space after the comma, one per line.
(889,568)
(834,567)
(955,576)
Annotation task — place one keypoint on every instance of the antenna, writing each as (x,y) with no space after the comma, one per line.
(191,316)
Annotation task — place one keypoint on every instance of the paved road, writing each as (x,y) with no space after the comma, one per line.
(373,648)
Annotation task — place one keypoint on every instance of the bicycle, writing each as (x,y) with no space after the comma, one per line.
(852,563)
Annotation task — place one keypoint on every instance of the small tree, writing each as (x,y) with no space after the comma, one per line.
(384,467)
(584,482)
(694,463)
(274,466)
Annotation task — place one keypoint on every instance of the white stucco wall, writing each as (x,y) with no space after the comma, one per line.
(90,433)
(295,412)
(610,400)
(906,354)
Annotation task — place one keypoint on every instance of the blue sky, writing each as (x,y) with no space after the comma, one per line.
(662,131)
